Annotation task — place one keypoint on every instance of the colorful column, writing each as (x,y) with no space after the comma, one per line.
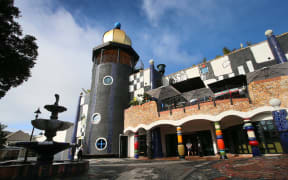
(281,123)
(251,137)
(181,149)
(275,47)
(280,120)
(136,146)
(220,141)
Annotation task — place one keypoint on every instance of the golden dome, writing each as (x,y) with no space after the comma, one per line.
(117,35)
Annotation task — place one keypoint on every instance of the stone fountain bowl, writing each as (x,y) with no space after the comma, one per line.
(51,124)
(44,148)
(55,108)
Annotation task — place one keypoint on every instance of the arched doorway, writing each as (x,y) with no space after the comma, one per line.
(169,140)
(200,133)
(266,133)
(142,149)
(235,137)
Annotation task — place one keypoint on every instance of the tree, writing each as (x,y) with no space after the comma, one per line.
(18,53)
(226,50)
(134,102)
(248,43)
(2,135)
(204,60)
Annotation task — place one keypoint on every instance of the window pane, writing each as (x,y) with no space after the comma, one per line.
(110,55)
(125,58)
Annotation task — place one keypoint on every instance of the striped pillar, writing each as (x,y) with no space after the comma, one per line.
(136,146)
(220,141)
(181,150)
(251,137)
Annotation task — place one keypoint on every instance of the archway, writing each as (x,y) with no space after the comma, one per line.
(235,137)
(142,148)
(168,140)
(201,134)
(266,133)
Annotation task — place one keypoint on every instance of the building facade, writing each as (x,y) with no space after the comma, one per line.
(230,104)
(235,104)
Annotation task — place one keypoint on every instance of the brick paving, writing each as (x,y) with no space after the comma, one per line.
(193,168)
(265,167)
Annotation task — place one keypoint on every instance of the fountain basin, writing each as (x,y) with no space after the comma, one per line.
(45,167)
(51,124)
(45,150)
(33,170)
(55,108)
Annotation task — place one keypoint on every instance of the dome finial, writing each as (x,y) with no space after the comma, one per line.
(117,25)
(268,33)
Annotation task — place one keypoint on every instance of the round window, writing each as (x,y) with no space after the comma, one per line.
(107,80)
(96,118)
(101,144)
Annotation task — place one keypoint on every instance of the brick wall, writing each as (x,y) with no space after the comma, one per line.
(260,93)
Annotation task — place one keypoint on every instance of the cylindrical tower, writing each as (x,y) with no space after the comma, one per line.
(113,62)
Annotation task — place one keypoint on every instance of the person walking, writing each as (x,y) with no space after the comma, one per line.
(189,147)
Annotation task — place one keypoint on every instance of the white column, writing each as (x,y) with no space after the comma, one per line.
(131,145)
(214,140)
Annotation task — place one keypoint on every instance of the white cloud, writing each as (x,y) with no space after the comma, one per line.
(168,47)
(203,11)
(63,66)
(177,23)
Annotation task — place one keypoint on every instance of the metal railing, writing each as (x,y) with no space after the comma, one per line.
(176,102)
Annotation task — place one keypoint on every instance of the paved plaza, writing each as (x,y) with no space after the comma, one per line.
(268,167)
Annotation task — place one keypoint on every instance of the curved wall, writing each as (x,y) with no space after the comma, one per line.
(146,115)
(109,101)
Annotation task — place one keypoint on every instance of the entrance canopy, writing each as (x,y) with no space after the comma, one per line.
(189,85)
(163,92)
(268,72)
(229,83)
(198,93)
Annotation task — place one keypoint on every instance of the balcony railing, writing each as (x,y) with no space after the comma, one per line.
(179,102)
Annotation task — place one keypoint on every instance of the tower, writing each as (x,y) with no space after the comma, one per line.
(113,62)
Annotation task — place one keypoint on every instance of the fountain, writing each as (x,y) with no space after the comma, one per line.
(45,151)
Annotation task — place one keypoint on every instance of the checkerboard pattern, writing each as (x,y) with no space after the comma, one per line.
(136,81)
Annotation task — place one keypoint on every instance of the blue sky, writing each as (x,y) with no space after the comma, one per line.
(190,29)
(178,33)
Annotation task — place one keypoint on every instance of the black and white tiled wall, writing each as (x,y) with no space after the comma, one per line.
(241,62)
(136,81)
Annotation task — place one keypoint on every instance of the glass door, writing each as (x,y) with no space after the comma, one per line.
(142,145)
(268,137)
(171,145)
(236,140)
